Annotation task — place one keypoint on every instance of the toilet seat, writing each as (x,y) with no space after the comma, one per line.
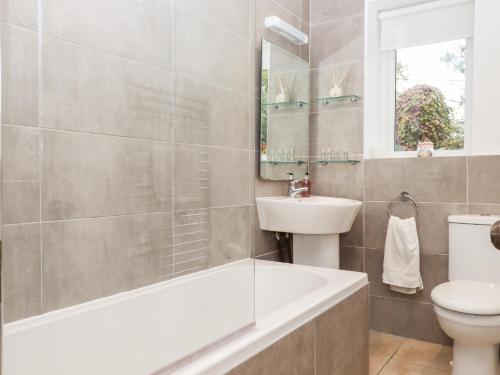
(468,297)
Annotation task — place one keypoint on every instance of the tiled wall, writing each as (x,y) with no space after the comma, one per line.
(336,342)
(128,144)
(441,186)
(296,13)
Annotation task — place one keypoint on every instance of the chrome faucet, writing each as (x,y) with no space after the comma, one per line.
(293,191)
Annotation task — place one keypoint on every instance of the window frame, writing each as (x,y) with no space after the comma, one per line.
(380,89)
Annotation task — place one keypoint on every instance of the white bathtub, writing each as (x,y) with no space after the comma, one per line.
(157,328)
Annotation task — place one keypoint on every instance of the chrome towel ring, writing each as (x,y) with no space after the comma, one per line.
(403,196)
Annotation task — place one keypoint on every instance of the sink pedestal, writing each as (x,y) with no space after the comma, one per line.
(320,250)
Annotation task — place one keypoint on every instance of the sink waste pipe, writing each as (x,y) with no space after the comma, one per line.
(284,243)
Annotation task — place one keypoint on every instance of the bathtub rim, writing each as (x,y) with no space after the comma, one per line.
(272,328)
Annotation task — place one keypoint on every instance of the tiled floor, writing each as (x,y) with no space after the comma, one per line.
(393,355)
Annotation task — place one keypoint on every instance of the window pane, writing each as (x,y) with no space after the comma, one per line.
(430,96)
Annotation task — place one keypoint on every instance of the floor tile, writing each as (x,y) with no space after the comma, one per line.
(382,347)
(425,354)
(395,367)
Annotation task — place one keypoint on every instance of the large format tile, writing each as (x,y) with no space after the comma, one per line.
(426,354)
(339,129)
(484,209)
(93,258)
(191,177)
(191,239)
(86,90)
(337,42)
(395,367)
(338,180)
(342,337)
(140,31)
(229,176)
(208,115)
(426,179)
(352,258)
(327,10)
(432,223)
(382,348)
(86,175)
(20,12)
(21,289)
(229,234)
(20,174)
(19,76)
(433,268)
(230,14)
(208,53)
(355,237)
(292,355)
(484,179)
(406,318)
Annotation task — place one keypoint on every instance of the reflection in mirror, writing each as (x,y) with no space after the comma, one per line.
(284,123)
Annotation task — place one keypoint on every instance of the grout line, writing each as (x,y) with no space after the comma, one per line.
(337,19)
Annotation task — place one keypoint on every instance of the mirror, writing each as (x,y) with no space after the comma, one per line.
(284,121)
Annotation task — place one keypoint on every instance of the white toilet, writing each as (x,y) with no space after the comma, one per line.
(468,306)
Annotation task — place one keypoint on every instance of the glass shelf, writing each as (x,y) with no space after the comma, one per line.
(339,99)
(298,162)
(291,104)
(325,162)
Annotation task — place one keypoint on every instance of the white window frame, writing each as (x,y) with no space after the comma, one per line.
(380,89)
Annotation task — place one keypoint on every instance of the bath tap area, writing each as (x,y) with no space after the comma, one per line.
(250,187)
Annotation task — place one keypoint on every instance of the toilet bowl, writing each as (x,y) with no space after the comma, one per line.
(469,312)
(468,306)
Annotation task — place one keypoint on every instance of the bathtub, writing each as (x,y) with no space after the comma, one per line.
(196,324)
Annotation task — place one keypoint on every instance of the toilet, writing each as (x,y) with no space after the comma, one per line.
(468,306)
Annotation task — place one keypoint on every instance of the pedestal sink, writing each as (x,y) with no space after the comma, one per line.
(315,222)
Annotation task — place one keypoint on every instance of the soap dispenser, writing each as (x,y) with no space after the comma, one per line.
(306,182)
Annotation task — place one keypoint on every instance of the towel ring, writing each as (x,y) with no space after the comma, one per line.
(403,196)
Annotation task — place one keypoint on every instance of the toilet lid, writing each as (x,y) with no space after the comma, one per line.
(469,297)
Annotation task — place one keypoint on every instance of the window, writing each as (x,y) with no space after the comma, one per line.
(418,76)
(430,96)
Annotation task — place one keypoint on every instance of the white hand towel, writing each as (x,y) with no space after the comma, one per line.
(402,256)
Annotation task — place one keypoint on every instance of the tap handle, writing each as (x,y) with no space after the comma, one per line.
(495,234)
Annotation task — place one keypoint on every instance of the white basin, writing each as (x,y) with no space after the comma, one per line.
(315,223)
(312,215)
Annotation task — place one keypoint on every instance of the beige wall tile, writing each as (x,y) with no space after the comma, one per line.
(338,180)
(406,318)
(432,223)
(352,258)
(342,337)
(211,54)
(327,10)
(87,175)
(21,289)
(191,177)
(208,115)
(433,268)
(21,178)
(228,177)
(484,209)
(93,258)
(85,90)
(427,179)
(292,6)
(229,234)
(264,241)
(337,42)
(484,179)
(305,11)
(230,14)
(355,237)
(266,8)
(192,236)
(20,12)
(293,354)
(339,129)
(137,31)
(19,76)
